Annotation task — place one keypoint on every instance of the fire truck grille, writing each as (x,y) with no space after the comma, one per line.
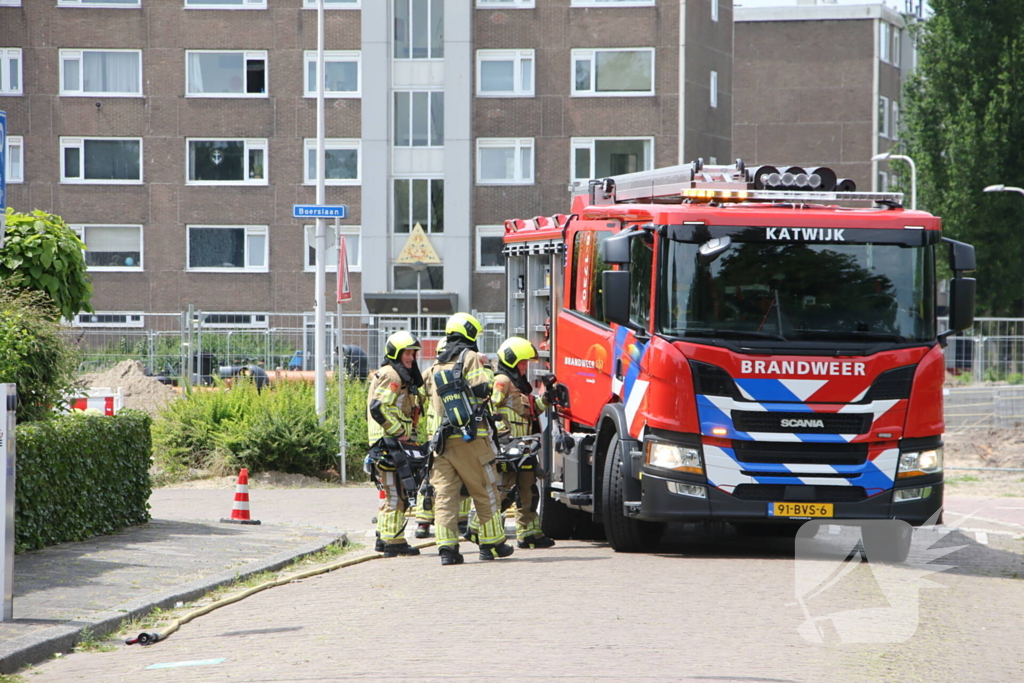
(822,494)
(802,423)
(800,453)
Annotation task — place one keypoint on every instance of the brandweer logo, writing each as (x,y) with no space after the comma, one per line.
(801,367)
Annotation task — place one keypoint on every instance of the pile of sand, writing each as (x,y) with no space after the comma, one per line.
(140,391)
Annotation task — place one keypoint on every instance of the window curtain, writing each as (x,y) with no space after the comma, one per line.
(111,72)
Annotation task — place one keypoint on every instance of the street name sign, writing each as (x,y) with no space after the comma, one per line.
(319,211)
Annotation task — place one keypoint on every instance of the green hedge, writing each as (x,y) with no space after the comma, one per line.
(80,476)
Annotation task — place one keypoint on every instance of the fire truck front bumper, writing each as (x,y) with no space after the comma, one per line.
(673,499)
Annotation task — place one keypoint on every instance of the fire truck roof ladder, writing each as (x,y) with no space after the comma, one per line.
(736,183)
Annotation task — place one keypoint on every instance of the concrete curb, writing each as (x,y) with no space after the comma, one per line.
(41,645)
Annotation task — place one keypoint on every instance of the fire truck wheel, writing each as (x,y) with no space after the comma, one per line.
(624,534)
(557,521)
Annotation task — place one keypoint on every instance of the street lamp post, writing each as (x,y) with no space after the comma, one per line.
(1003,188)
(913,173)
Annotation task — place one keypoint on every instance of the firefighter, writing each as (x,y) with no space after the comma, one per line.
(459,385)
(392,405)
(517,408)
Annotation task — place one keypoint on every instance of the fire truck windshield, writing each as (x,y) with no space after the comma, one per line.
(798,291)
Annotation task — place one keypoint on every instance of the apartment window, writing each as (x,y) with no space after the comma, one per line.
(114,161)
(10,71)
(612,3)
(341,73)
(419,29)
(14,159)
(714,10)
(332,4)
(227,162)
(235,320)
(884,41)
(419,119)
(895,120)
(10,3)
(110,73)
(883,116)
(883,182)
(226,4)
(341,161)
(225,249)
(489,245)
(353,247)
(419,200)
(109,319)
(505,4)
(897,45)
(97,3)
(504,73)
(504,161)
(615,72)
(407,278)
(111,247)
(603,157)
(714,89)
(226,73)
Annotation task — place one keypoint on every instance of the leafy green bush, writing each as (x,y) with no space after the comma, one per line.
(1015,378)
(34,354)
(275,429)
(42,253)
(81,476)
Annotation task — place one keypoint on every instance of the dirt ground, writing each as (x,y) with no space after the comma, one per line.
(981,448)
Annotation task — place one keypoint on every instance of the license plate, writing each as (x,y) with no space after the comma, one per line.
(799,509)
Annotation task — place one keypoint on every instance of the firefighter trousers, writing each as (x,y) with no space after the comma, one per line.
(526,500)
(424,509)
(470,463)
(391,515)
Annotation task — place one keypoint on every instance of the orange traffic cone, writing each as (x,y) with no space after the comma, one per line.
(240,513)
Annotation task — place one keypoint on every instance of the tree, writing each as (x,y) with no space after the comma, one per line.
(42,253)
(964,126)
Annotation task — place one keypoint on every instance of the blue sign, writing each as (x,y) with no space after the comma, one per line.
(316,211)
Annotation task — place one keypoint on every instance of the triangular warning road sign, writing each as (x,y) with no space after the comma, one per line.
(418,249)
(344,290)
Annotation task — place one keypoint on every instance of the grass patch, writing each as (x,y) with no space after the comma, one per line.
(11,678)
(964,479)
(146,622)
(88,642)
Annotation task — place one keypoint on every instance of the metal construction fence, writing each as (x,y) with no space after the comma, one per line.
(990,351)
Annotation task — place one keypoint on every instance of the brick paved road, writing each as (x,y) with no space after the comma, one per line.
(718,608)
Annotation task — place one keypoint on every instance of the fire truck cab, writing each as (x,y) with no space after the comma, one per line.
(740,345)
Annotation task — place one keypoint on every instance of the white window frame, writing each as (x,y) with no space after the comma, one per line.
(590,143)
(412,118)
(79,56)
(309,145)
(505,4)
(883,182)
(713,85)
(894,131)
(82,232)
(79,143)
(481,232)
(333,4)
(517,57)
(612,3)
(10,3)
(250,145)
(249,231)
(246,56)
(134,4)
(518,145)
(714,10)
(6,54)
(12,142)
(883,116)
(884,41)
(245,4)
(429,228)
(897,45)
(132,319)
(410,31)
(255,323)
(337,57)
(309,233)
(581,54)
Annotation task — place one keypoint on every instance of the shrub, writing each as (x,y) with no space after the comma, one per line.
(81,476)
(1015,378)
(34,354)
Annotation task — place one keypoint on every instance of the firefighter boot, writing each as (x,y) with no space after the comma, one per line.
(422,530)
(450,555)
(536,541)
(396,549)
(490,551)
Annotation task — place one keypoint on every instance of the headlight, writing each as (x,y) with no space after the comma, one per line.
(670,457)
(918,463)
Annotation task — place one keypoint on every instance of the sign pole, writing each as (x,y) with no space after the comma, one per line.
(320,300)
(8,424)
(341,373)
(3,179)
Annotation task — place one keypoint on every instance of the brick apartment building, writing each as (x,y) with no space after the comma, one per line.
(819,83)
(176,135)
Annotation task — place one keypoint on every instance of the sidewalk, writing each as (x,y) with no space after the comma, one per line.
(184,552)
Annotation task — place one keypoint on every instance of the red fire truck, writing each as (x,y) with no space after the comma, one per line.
(740,345)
